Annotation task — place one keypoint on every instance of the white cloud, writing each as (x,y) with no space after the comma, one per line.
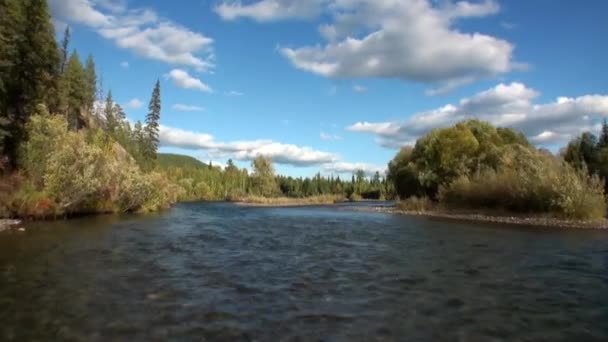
(359,88)
(327,136)
(124,64)
(187,108)
(234,93)
(270,10)
(395,39)
(134,103)
(509,105)
(281,153)
(245,150)
(182,79)
(139,30)
(349,168)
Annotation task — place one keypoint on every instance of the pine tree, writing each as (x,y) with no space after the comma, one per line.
(603,141)
(108,113)
(152,123)
(91,82)
(74,80)
(30,66)
(65,43)
(119,114)
(11,14)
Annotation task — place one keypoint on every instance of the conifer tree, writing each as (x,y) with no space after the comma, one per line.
(30,65)
(152,123)
(108,113)
(74,79)
(65,44)
(90,82)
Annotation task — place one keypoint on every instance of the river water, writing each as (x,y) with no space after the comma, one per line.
(223,272)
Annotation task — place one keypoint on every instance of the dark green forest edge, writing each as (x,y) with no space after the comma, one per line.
(67,149)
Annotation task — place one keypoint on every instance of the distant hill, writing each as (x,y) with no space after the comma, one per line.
(166,160)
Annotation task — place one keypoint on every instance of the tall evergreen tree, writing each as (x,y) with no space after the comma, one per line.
(65,45)
(74,79)
(91,82)
(108,113)
(10,12)
(603,141)
(152,122)
(33,66)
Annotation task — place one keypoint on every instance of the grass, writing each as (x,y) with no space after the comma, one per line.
(288,201)
(416,204)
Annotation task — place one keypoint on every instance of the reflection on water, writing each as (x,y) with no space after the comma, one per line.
(222,272)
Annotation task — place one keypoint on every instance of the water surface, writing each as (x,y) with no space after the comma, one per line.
(223,272)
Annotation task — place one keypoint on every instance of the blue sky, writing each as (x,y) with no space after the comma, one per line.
(336,85)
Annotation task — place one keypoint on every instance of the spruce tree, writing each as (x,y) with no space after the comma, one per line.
(91,82)
(74,80)
(108,113)
(30,66)
(152,123)
(65,44)
(11,14)
(603,141)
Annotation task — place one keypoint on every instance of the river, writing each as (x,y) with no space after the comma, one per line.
(217,271)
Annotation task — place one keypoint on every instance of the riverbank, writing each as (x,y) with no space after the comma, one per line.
(495,217)
(259,201)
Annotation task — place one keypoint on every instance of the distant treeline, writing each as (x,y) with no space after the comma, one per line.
(208,182)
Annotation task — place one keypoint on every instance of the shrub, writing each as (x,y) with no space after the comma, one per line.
(416,204)
(81,172)
(532,183)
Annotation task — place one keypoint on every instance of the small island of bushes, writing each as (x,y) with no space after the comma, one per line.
(476,167)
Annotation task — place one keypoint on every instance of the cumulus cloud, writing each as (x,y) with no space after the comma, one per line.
(139,30)
(395,39)
(187,108)
(270,10)
(182,79)
(245,150)
(281,153)
(510,105)
(134,104)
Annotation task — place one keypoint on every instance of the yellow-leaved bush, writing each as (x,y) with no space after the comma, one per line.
(76,172)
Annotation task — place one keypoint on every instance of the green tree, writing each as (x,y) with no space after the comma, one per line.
(109,114)
(65,45)
(76,96)
(152,123)
(603,140)
(263,178)
(90,77)
(30,65)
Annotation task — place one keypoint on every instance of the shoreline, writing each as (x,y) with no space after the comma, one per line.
(283,202)
(462,216)
(536,221)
